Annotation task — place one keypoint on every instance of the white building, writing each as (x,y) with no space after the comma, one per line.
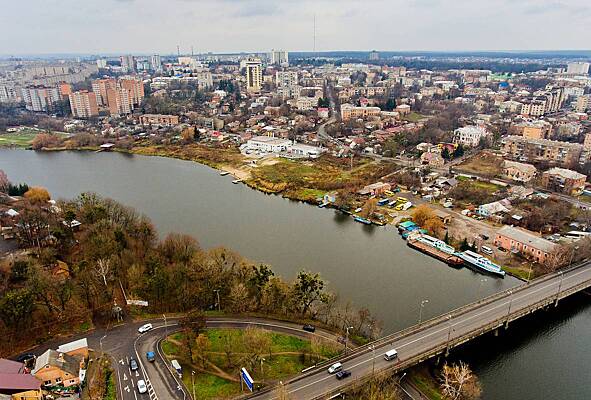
(578,68)
(279,57)
(254,75)
(156,63)
(128,63)
(101,63)
(40,98)
(470,135)
(265,144)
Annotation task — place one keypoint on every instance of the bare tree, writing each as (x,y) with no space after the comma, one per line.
(103,269)
(458,382)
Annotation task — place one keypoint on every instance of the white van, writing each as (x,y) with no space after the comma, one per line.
(486,250)
(336,367)
(390,355)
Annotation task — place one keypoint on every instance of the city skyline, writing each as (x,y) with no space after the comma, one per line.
(227,26)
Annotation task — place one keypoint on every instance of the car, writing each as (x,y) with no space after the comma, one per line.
(133,364)
(390,355)
(141,386)
(343,374)
(150,356)
(23,358)
(144,328)
(309,328)
(336,367)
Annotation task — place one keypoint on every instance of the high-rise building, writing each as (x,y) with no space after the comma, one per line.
(100,88)
(101,63)
(83,104)
(156,63)
(40,98)
(135,88)
(254,75)
(119,100)
(578,68)
(374,56)
(128,63)
(279,57)
(65,89)
(9,93)
(287,83)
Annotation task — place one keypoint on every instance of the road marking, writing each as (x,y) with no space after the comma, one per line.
(135,395)
(137,374)
(121,362)
(127,389)
(124,377)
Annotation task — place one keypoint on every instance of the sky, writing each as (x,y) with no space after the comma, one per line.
(158,26)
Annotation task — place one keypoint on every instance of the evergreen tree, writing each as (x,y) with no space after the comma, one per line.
(446,238)
(464,245)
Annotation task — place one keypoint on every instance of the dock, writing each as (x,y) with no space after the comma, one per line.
(450,259)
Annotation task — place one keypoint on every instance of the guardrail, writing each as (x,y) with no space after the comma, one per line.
(430,323)
(444,347)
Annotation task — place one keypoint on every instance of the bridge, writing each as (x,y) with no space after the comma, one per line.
(438,335)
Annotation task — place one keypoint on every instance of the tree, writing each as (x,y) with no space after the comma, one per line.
(202,346)
(16,306)
(459,151)
(257,342)
(308,289)
(44,140)
(4,183)
(459,383)
(434,226)
(260,279)
(193,321)
(37,194)
(422,214)
(188,135)
(445,154)
(464,245)
(369,207)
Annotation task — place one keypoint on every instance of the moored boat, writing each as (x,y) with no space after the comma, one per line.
(362,220)
(431,246)
(480,262)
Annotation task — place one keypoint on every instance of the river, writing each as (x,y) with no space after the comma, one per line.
(369,266)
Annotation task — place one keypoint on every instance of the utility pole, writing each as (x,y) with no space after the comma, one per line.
(217,291)
(448,333)
(559,287)
(165,327)
(347,337)
(423,302)
(193,383)
(509,311)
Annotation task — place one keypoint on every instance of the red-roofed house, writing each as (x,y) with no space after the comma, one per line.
(17,383)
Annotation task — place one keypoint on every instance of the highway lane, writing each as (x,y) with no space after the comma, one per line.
(318,382)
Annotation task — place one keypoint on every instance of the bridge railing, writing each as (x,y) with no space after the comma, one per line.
(424,325)
(454,342)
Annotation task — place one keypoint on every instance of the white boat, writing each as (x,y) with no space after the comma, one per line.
(476,260)
(236,181)
(224,173)
(435,243)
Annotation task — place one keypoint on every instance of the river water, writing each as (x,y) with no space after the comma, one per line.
(369,266)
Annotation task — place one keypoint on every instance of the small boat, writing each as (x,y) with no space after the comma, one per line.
(480,262)
(236,181)
(323,204)
(224,173)
(362,220)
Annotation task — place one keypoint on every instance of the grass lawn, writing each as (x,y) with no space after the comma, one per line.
(489,187)
(425,383)
(483,163)
(20,139)
(289,355)
(414,116)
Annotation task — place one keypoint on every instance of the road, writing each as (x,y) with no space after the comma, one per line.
(418,342)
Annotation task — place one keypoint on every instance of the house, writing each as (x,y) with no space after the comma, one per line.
(495,208)
(444,216)
(265,144)
(375,189)
(564,181)
(525,242)
(433,159)
(517,171)
(77,348)
(55,368)
(16,383)
(470,135)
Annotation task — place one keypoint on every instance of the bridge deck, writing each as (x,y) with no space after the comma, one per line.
(435,336)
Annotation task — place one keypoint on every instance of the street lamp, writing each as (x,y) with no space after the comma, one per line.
(101,344)
(193,383)
(262,370)
(373,359)
(217,291)
(347,337)
(531,267)
(559,287)
(449,332)
(165,328)
(423,302)
(509,311)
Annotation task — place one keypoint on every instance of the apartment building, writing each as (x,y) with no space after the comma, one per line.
(564,181)
(159,119)
(577,68)
(470,135)
(127,63)
(287,83)
(156,63)
(135,88)
(532,129)
(533,107)
(349,111)
(582,104)
(278,57)
(40,98)
(519,172)
(119,101)
(83,104)
(524,242)
(536,150)
(100,88)
(254,75)
(9,93)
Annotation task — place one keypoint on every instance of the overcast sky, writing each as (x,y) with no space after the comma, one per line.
(146,26)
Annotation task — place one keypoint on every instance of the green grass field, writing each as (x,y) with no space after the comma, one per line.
(288,356)
(20,139)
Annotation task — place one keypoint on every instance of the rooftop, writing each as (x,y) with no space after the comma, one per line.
(565,173)
(527,238)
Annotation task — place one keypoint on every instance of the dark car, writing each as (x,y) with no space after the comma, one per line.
(25,357)
(309,328)
(343,374)
(133,364)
